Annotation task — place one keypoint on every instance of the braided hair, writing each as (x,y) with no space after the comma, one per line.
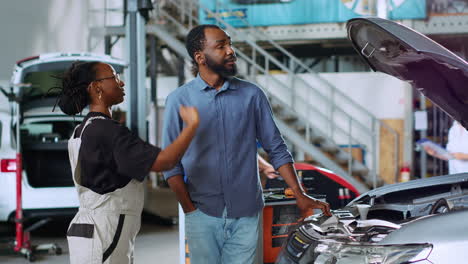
(196,42)
(75,81)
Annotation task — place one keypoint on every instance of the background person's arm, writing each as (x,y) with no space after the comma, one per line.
(433,153)
(266,168)
(460,156)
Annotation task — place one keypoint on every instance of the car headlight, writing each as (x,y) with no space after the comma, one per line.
(329,252)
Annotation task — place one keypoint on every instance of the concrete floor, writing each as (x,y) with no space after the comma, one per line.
(154,242)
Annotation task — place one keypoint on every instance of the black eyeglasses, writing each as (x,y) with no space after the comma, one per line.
(116,77)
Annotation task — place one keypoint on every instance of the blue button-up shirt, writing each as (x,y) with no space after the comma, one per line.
(220,164)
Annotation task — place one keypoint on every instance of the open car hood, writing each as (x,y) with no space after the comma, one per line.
(397,50)
(410,186)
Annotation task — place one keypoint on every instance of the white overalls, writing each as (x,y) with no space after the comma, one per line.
(105,227)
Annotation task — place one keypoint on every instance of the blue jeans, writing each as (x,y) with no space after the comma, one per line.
(221,240)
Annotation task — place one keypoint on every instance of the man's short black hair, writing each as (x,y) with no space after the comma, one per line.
(196,39)
(196,42)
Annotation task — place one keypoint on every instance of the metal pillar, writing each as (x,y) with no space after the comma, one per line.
(154,84)
(142,100)
(423,133)
(108,45)
(135,32)
(181,72)
(408,142)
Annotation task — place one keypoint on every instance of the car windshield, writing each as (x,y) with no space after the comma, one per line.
(40,79)
(47,131)
(41,83)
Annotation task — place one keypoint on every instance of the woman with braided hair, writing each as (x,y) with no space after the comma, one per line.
(109,164)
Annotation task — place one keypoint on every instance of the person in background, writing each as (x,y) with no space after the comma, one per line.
(222,197)
(109,164)
(457,145)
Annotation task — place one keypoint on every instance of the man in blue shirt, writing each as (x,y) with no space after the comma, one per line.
(222,195)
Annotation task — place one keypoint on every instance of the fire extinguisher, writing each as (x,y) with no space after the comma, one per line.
(405,173)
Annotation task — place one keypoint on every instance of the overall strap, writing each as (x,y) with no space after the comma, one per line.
(89,122)
(74,132)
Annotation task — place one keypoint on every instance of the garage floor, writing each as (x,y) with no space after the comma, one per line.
(154,242)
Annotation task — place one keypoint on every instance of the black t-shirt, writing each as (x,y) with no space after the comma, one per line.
(111,155)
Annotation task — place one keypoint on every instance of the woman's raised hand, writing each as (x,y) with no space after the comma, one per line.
(189,115)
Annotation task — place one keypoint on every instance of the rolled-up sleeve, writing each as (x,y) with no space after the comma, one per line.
(268,134)
(172,127)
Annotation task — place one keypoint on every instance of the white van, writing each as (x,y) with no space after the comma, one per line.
(47,182)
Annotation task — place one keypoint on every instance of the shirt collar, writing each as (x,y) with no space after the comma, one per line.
(203,85)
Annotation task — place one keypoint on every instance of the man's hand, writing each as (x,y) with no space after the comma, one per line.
(306,204)
(189,209)
(177,185)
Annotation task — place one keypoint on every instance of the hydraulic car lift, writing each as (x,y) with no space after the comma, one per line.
(22,242)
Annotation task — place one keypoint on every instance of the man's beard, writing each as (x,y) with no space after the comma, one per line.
(221,69)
